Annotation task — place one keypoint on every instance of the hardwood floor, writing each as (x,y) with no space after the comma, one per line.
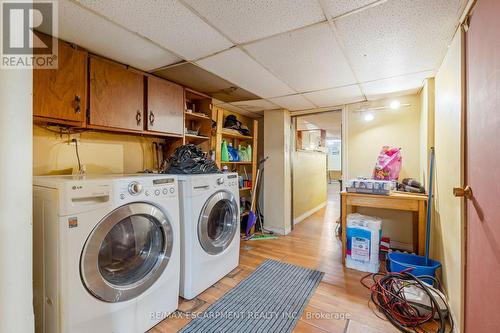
(339,304)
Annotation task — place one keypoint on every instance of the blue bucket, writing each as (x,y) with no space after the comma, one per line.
(397,262)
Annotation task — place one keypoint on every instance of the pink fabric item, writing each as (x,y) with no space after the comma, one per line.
(389,164)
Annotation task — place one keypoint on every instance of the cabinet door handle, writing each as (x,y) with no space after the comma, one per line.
(77,104)
(151,117)
(138,117)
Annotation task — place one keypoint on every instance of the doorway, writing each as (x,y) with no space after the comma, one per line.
(316,162)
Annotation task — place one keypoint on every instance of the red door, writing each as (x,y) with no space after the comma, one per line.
(482,290)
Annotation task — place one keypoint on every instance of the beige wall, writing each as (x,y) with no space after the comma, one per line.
(427,99)
(309,183)
(100,152)
(400,128)
(277,180)
(448,226)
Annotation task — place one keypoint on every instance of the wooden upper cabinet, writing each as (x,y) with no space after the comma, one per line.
(165,106)
(116,96)
(61,94)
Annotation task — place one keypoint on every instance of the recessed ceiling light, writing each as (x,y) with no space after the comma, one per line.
(395,104)
(369,116)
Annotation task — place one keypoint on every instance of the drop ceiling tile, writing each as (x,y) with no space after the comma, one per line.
(336,8)
(293,102)
(248,20)
(336,96)
(165,22)
(398,37)
(237,67)
(413,91)
(307,59)
(241,111)
(256,105)
(376,89)
(82,27)
(199,79)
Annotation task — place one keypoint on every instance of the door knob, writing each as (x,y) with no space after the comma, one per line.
(465,192)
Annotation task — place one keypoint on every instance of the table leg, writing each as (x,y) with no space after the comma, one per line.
(421,227)
(415,232)
(344,227)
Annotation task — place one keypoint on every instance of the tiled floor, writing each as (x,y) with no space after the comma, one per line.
(311,244)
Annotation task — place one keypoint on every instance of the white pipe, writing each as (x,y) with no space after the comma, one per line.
(16,291)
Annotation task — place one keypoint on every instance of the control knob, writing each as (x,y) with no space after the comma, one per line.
(135,188)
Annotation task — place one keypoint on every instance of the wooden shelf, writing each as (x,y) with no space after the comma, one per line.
(196,138)
(195,116)
(238,163)
(236,139)
(199,119)
(236,136)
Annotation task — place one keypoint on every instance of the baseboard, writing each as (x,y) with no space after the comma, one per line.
(308,213)
(278,231)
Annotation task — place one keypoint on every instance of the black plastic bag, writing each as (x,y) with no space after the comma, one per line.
(190,159)
(233,123)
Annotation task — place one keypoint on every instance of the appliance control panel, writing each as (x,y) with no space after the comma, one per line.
(229,180)
(148,188)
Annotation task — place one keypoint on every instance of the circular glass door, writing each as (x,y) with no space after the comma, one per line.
(126,252)
(218,222)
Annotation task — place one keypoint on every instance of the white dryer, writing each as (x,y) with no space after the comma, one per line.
(106,253)
(210,230)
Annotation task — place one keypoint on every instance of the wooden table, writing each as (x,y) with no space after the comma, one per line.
(415,203)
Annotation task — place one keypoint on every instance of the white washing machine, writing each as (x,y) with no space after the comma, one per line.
(106,252)
(210,230)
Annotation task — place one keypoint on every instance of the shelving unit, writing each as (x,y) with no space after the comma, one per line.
(237,139)
(198,117)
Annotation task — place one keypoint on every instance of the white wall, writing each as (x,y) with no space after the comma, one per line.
(16,291)
(277,177)
(335,161)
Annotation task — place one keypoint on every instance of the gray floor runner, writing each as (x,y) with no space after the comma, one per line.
(271,299)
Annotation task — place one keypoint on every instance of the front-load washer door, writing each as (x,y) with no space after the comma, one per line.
(218,222)
(126,252)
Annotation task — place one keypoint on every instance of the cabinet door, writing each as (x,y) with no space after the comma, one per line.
(61,94)
(165,112)
(116,96)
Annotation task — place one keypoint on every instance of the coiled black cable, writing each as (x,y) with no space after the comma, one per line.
(387,293)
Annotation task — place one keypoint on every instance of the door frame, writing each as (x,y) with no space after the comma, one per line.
(293,147)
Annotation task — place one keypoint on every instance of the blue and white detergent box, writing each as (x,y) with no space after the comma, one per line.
(363,241)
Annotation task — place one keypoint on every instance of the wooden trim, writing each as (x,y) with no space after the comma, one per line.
(197,93)
(236,136)
(44,120)
(310,212)
(255,156)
